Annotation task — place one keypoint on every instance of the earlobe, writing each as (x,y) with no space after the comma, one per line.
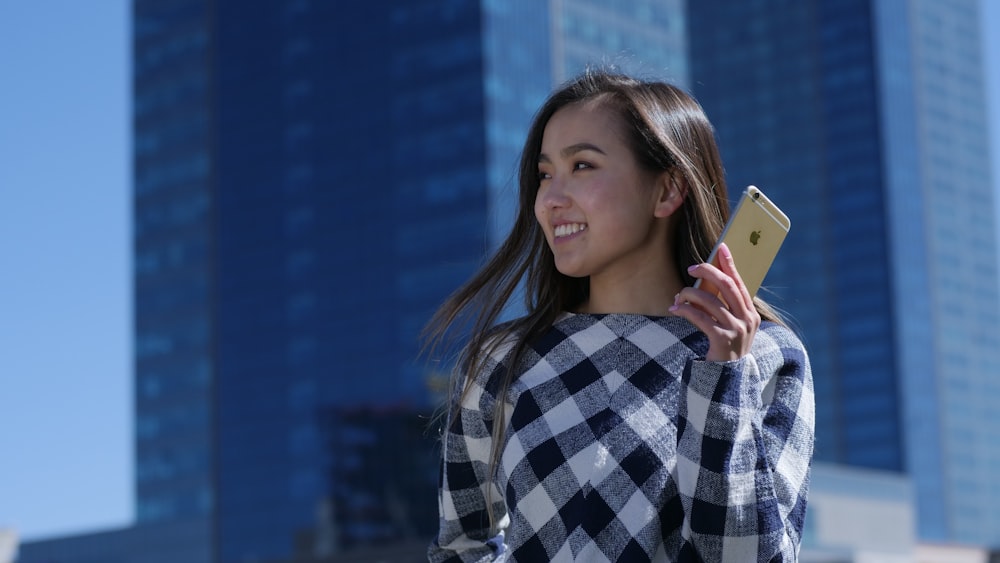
(673,188)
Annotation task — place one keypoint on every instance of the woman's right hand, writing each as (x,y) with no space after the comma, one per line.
(729,320)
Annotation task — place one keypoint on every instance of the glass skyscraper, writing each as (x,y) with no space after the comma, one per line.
(173,272)
(312,179)
(865,120)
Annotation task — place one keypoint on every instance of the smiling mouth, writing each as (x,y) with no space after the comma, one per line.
(569,229)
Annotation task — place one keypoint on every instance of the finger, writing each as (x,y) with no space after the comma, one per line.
(724,343)
(728,264)
(718,284)
(728,336)
(697,316)
(703,308)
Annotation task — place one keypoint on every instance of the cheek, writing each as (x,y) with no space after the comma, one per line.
(540,211)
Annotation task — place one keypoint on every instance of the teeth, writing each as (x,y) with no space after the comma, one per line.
(569,229)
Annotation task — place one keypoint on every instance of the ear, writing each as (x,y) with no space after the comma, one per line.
(671,187)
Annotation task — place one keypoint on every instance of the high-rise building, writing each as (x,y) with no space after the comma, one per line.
(173,243)
(865,120)
(311,180)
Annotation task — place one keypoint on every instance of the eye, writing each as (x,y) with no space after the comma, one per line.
(542,175)
(581,165)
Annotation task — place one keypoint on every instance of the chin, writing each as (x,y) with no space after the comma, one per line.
(571,271)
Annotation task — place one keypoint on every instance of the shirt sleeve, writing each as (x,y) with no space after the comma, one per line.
(464,533)
(745,443)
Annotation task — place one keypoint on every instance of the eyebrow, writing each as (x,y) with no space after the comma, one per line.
(573,149)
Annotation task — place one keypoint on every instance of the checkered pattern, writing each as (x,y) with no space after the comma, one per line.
(623,444)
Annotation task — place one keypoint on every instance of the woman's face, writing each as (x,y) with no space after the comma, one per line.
(595,204)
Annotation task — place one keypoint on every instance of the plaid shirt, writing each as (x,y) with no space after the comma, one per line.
(624,444)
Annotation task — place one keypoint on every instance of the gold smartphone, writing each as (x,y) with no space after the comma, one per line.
(754,234)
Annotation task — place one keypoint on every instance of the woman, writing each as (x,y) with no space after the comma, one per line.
(628,416)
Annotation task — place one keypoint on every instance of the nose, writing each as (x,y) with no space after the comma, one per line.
(553,194)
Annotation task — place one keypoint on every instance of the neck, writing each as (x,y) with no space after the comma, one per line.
(649,291)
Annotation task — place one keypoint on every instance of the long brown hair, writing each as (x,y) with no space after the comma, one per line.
(667,130)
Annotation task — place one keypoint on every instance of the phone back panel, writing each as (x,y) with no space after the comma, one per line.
(754,234)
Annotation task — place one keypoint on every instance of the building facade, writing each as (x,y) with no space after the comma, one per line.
(140,543)
(172,202)
(865,121)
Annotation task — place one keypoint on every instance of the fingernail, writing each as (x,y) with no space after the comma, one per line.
(692,267)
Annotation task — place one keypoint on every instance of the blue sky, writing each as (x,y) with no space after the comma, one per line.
(65,344)
(65,297)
